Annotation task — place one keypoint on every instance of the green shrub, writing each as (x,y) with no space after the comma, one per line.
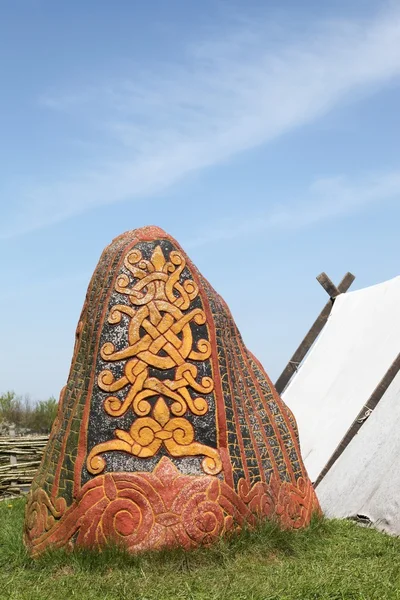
(36,417)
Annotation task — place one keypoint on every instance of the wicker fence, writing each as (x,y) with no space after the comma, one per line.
(19,460)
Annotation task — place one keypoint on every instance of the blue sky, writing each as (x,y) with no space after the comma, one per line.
(263,135)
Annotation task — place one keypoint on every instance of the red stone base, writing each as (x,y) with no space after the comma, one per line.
(161,509)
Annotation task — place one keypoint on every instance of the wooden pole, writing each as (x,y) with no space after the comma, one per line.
(19,459)
(363,415)
(13,457)
(316,328)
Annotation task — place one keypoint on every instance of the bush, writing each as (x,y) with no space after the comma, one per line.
(43,415)
(36,417)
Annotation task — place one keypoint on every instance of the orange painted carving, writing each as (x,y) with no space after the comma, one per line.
(169,432)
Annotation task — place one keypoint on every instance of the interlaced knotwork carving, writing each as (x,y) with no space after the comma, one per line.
(159,336)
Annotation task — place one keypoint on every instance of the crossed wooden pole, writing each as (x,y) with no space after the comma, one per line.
(316,328)
(304,347)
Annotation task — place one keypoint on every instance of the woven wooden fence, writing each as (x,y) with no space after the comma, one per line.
(19,460)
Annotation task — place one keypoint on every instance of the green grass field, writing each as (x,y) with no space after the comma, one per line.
(331,560)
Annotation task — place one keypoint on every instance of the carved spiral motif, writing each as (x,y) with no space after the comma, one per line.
(203,516)
(162,508)
(126,517)
(41,513)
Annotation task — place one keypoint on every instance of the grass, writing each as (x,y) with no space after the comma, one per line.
(335,560)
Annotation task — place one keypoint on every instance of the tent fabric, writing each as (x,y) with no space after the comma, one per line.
(352,354)
(365,479)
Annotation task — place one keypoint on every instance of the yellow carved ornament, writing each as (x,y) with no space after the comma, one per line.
(160,336)
(148,434)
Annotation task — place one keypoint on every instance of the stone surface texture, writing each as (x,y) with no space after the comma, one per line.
(169,432)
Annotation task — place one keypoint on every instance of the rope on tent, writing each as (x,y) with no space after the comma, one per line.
(365,416)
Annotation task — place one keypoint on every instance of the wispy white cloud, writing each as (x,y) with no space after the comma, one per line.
(326,199)
(224,97)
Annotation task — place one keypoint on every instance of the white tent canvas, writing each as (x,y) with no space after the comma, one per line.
(349,359)
(365,479)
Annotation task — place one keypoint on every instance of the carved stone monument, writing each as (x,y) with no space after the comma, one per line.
(169,431)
